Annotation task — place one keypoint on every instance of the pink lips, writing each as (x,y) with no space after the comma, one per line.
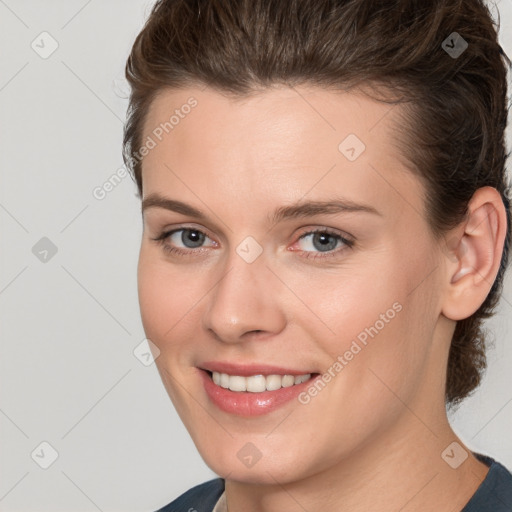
(247,370)
(246,403)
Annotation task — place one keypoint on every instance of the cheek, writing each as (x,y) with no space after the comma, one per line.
(342,305)
(167,296)
(368,321)
(386,347)
(153,298)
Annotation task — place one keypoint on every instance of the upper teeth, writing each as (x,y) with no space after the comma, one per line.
(257,383)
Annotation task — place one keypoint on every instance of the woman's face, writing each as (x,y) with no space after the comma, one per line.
(247,279)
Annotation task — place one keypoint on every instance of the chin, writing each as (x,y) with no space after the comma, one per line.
(241,461)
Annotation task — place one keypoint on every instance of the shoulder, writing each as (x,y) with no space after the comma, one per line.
(201,498)
(495,492)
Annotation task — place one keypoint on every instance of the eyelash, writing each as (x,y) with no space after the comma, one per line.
(348,243)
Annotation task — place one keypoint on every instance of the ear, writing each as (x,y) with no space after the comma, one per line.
(474,251)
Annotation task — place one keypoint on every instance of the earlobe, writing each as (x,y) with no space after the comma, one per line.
(475,258)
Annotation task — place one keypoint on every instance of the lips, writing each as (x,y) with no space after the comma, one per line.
(252,390)
(247,370)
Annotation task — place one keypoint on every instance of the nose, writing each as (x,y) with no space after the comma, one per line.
(244,302)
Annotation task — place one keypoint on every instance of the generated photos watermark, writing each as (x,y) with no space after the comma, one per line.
(355,348)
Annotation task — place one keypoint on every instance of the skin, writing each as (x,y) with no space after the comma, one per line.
(372,439)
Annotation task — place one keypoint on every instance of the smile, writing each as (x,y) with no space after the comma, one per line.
(257,383)
(252,394)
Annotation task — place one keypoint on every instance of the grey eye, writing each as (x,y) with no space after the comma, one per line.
(320,241)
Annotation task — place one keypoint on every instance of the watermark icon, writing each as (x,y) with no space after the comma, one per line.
(351,147)
(249,454)
(146,352)
(454,455)
(44,250)
(355,348)
(121,87)
(44,455)
(110,184)
(44,45)
(249,249)
(454,45)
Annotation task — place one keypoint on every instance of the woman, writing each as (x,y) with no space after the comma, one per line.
(326,226)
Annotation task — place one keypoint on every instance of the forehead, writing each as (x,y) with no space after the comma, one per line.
(283,143)
(278,110)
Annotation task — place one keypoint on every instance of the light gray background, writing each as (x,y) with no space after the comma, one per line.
(69,325)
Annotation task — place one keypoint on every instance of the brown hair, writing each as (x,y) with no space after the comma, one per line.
(456,105)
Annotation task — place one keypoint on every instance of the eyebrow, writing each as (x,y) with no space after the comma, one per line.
(293,211)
